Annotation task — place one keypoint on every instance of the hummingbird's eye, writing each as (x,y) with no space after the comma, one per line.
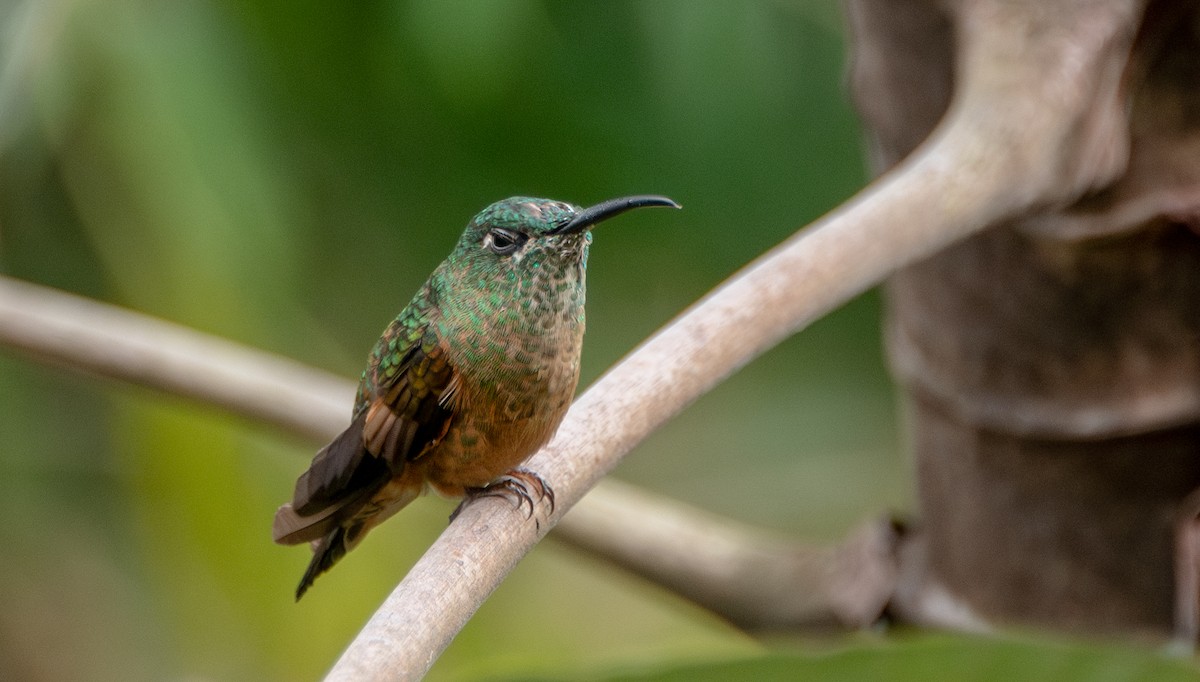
(504,242)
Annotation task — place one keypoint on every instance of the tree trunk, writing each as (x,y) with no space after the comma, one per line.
(1052,364)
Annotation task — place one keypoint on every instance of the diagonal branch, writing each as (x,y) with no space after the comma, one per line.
(793,285)
(1036,122)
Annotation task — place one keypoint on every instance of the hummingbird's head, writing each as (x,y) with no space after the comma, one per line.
(522,236)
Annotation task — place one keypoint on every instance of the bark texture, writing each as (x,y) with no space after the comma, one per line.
(1052,362)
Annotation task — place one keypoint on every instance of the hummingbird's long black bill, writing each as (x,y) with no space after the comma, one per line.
(607,209)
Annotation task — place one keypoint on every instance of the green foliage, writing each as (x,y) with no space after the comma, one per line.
(942,658)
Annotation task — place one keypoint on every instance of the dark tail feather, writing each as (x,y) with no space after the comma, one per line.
(328,551)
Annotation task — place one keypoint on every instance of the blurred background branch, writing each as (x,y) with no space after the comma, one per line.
(89,336)
(758,580)
(739,572)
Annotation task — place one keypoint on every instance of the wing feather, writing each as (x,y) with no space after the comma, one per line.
(404,412)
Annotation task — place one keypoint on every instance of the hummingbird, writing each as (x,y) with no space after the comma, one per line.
(472,377)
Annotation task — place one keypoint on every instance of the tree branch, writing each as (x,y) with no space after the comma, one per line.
(1035,123)
(794,284)
(757,580)
(108,341)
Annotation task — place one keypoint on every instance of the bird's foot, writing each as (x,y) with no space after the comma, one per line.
(519,485)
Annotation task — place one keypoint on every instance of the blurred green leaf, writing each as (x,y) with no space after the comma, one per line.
(942,658)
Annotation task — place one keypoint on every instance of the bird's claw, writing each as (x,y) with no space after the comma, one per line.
(515,485)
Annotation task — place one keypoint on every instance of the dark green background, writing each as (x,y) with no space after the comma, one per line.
(285,174)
